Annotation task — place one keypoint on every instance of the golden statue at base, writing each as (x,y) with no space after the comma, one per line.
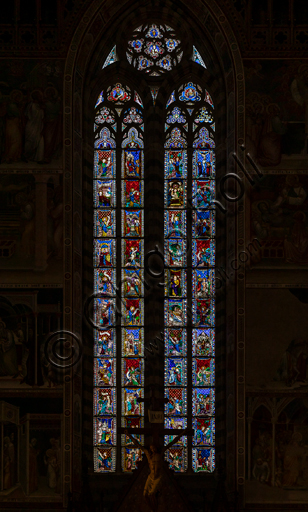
(155,457)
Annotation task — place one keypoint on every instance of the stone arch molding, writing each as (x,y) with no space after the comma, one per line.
(85,59)
(100,16)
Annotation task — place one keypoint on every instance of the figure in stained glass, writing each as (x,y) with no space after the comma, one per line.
(132,372)
(104,401)
(154,32)
(104,430)
(202,312)
(203,253)
(130,401)
(132,222)
(203,223)
(132,164)
(175,164)
(118,93)
(203,372)
(175,194)
(132,284)
(176,401)
(132,194)
(175,312)
(105,193)
(105,309)
(202,283)
(105,343)
(203,164)
(176,423)
(104,459)
(175,283)
(175,223)
(132,312)
(136,44)
(105,281)
(175,372)
(132,422)
(203,342)
(132,253)
(175,252)
(104,251)
(190,93)
(175,342)
(105,372)
(131,458)
(176,459)
(203,459)
(104,162)
(165,63)
(204,431)
(203,402)
(154,49)
(203,193)
(105,223)
(133,342)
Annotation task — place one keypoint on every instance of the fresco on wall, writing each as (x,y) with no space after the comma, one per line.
(23,228)
(25,320)
(30,113)
(276,110)
(277,459)
(279,219)
(31,455)
(280,345)
(277,405)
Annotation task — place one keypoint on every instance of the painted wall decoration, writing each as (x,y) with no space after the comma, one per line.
(279,345)
(279,220)
(30,113)
(277,468)
(26,318)
(31,217)
(276,106)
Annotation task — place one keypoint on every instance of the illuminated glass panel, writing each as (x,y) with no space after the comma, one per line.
(154,49)
(112,57)
(190,275)
(118,184)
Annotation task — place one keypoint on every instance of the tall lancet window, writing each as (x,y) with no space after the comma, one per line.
(118,272)
(189,230)
(121,125)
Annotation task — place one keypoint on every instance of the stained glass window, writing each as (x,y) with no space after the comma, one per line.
(118,179)
(188,135)
(112,57)
(154,49)
(196,57)
(190,276)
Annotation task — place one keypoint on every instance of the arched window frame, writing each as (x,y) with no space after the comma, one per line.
(162,142)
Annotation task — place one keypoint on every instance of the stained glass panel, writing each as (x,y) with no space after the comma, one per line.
(112,57)
(190,279)
(154,49)
(196,57)
(110,117)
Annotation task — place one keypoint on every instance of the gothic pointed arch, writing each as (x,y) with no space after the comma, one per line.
(214,39)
